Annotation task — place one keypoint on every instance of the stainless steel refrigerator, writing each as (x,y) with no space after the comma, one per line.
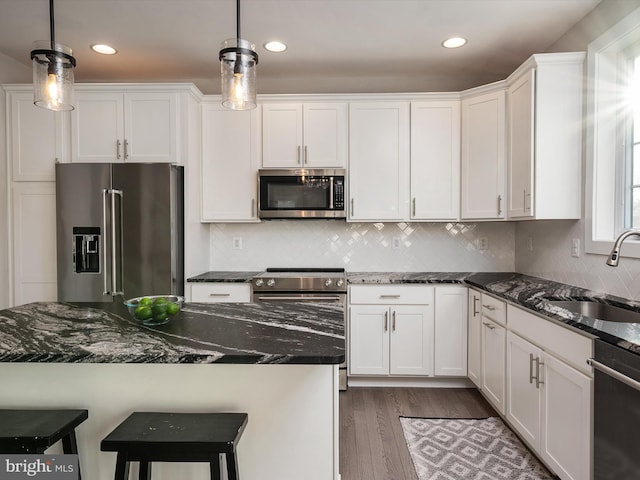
(120,230)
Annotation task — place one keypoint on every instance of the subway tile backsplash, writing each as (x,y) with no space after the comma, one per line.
(366,247)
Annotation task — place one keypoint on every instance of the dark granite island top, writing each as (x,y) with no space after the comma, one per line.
(293,333)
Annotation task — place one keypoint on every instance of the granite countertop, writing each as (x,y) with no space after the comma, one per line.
(224,276)
(295,333)
(373,278)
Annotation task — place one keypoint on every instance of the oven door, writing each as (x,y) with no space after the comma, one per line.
(337,298)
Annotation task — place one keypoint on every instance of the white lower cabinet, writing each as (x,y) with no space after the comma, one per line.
(450,347)
(388,336)
(549,400)
(221,292)
(493,363)
(474,329)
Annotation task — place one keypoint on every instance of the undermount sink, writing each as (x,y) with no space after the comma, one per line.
(598,311)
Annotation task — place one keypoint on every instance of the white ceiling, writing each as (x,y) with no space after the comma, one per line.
(335,46)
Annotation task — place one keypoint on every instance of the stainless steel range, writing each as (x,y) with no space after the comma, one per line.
(304,285)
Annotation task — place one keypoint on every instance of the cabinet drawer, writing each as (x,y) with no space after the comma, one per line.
(561,342)
(222,292)
(494,309)
(391,295)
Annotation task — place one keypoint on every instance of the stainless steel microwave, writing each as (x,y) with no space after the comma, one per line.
(301,193)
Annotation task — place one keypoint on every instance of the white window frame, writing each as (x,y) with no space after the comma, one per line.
(604,210)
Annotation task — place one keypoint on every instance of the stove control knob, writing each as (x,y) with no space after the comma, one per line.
(328,282)
(271,282)
(259,282)
(340,282)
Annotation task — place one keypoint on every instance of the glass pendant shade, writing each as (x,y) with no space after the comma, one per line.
(238,61)
(53,77)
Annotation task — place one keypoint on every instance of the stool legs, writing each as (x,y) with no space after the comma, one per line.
(122,467)
(232,466)
(215,467)
(69,445)
(145,471)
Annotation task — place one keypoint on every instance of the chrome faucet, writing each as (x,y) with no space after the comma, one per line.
(614,256)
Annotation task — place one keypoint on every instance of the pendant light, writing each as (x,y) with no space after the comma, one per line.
(53,66)
(238,61)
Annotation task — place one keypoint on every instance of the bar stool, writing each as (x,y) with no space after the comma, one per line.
(147,437)
(33,431)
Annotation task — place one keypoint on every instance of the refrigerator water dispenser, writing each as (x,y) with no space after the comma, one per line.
(86,249)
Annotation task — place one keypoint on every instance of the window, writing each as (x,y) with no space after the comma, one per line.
(612,202)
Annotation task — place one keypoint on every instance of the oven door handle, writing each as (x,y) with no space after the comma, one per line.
(300,299)
(614,373)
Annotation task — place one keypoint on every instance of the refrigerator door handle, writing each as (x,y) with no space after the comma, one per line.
(105,289)
(114,234)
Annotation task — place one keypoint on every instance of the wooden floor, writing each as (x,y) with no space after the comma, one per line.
(372,445)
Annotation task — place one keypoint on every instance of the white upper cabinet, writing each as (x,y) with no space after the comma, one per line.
(544,102)
(483,156)
(378,161)
(36,136)
(117,126)
(435,160)
(304,135)
(230,158)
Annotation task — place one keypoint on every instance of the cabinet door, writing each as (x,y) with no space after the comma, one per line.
(378,161)
(151,127)
(521,149)
(451,332)
(37,139)
(566,420)
(325,135)
(523,390)
(282,135)
(411,349)
(229,164)
(97,127)
(483,156)
(369,340)
(435,160)
(474,350)
(34,242)
(493,363)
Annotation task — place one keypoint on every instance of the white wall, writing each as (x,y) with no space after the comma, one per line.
(551,255)
(363,247)
(10,72)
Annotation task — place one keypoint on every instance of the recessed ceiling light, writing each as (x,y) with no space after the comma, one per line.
(103,49)
(275,46)
(454,42)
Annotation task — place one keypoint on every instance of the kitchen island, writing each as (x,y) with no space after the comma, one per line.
(278,363)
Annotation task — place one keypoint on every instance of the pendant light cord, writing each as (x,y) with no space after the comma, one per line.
(237,19)
(52,28)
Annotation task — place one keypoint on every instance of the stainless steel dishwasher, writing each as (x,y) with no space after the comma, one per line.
(616,449)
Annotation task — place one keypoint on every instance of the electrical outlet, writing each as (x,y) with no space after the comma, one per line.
(237,243)
(483,243)
(575,247)
(395,243)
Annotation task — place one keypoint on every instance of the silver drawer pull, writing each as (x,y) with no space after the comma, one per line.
(389,296)
(489,307)
(219,294)
(489,326)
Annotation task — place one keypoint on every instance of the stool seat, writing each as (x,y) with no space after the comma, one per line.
(176,437)
(33,431)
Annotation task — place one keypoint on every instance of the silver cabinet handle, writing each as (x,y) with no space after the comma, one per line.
(531,375)
(475,302)
(386,321)
(118,156)
(499,205)
(491,308)
(298,160)
(489,326)
(298,299)
(413,206)
(538,365)
(219,294)
(114,235)
(389,296)
(351,207)
(306,155)
(621,377)
(393,321)
(126,149)
(253,207)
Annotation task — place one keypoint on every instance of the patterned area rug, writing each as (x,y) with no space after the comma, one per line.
(462,449)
